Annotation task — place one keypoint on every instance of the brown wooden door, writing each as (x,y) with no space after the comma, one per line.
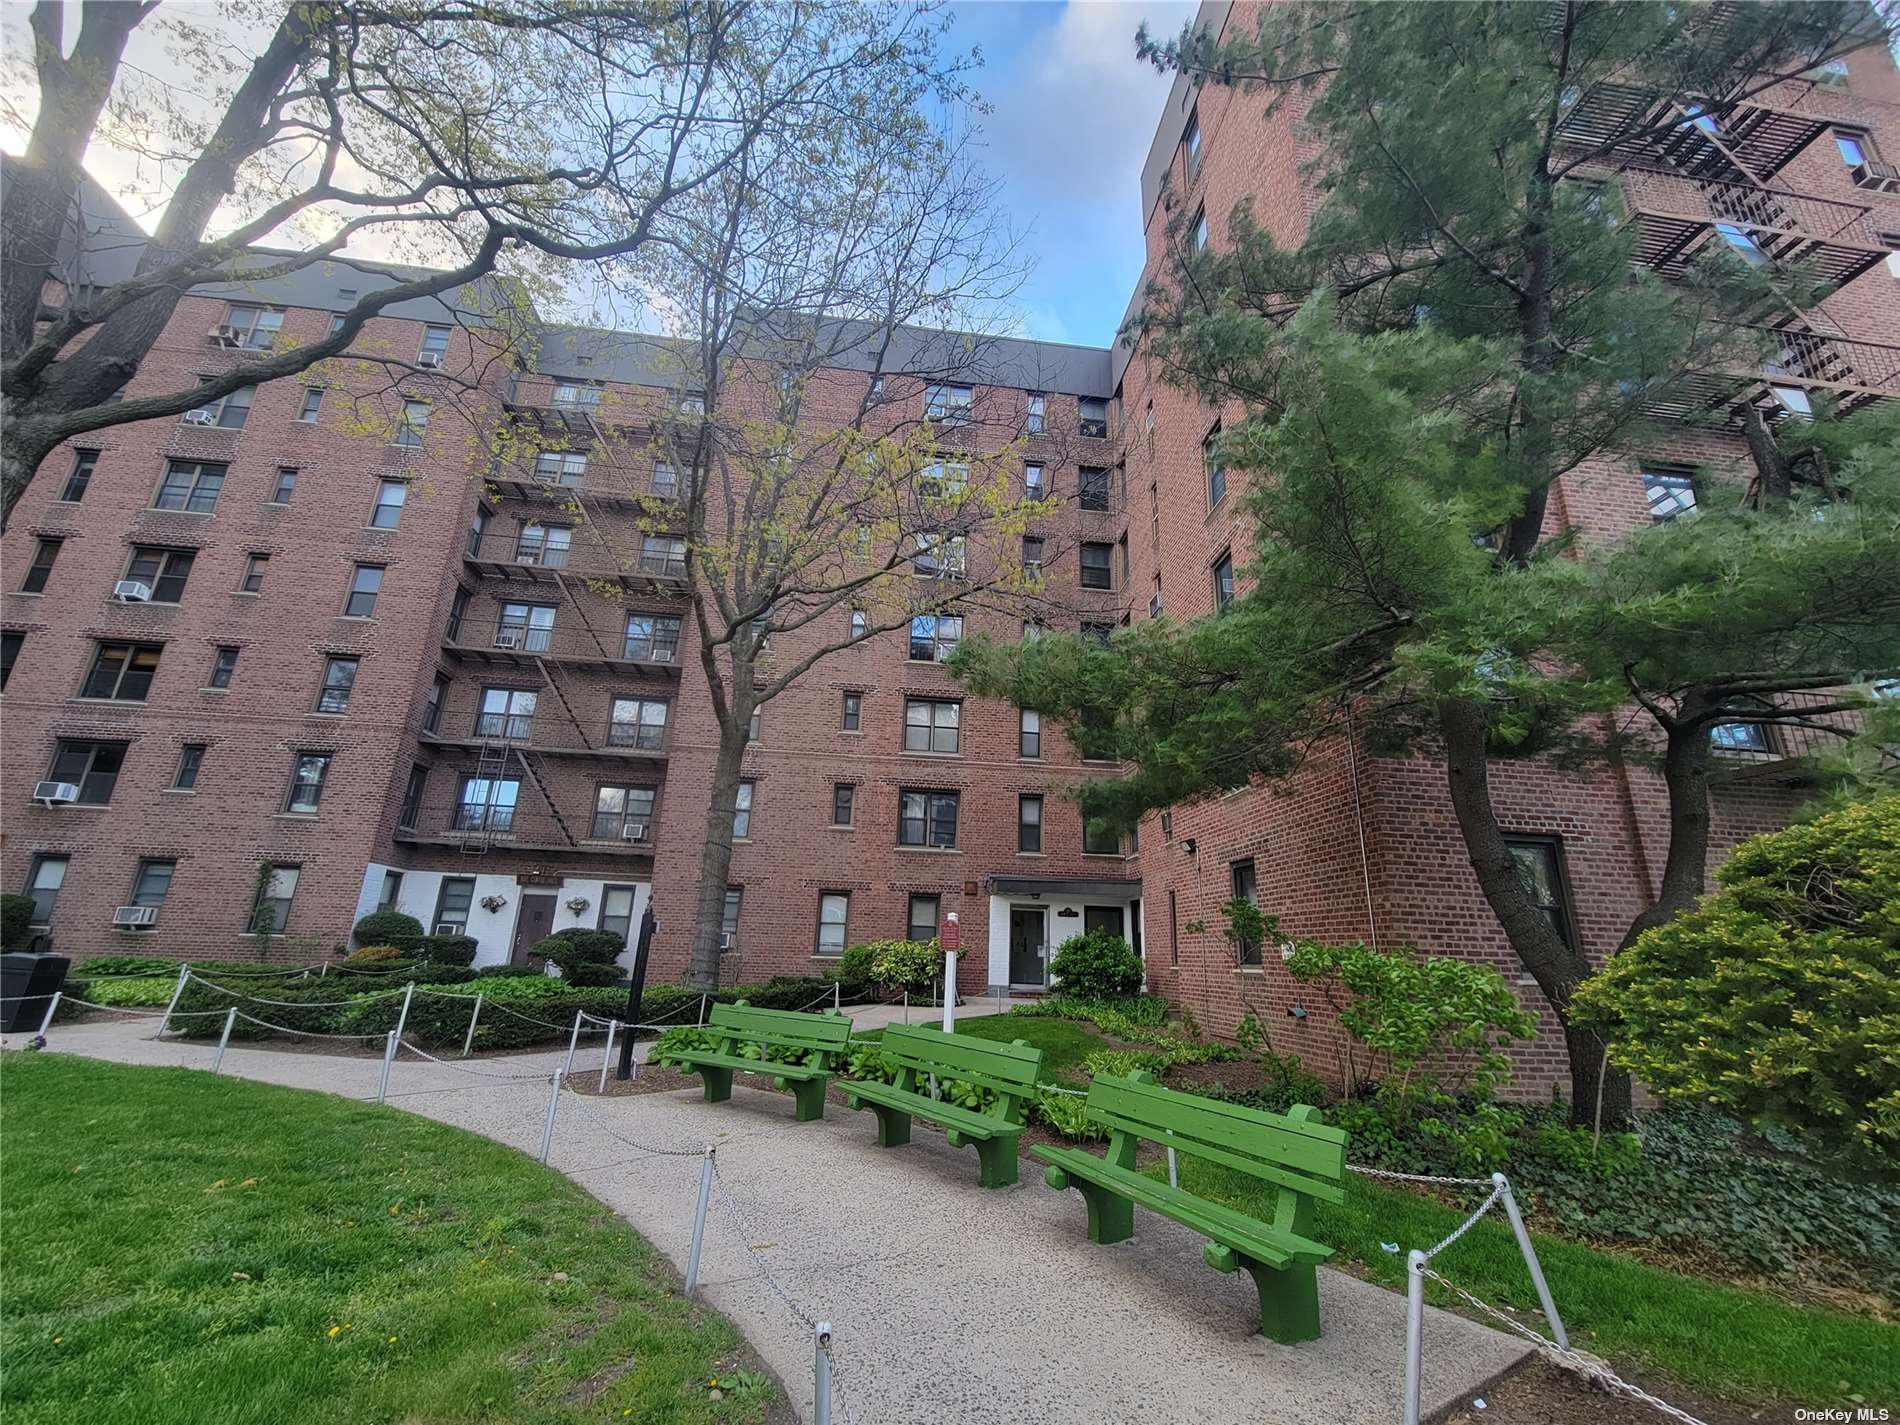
(533,925)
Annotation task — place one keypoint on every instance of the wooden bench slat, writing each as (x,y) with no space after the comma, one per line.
(782,1028)
(750,1066)
(1313,1149)
(1325,1189)
(1005,1068)
(976,1125)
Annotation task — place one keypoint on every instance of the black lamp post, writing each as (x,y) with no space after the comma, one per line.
(637,987)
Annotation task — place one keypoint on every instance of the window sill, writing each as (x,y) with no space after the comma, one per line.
(221,692)
(178,792)
(109,702)
(841,826)
(1032,855)
(934,756)
(247,593)
(294,816)
(1250,970)
(928,850)
(357,618)
(850,732)
(28,593)
(160,510)
(333,716)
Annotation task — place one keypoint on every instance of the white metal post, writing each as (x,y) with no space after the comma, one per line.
(907,1006)
(573,1039)
(952,939)
(184,973)
(837,996)
(402,1020)
(699,1220)
(607,1057)
(1530,1260)
(554,1102)
(224,1038)
(323,970)
(52,1008)
(821,1374)
(702,1012)
(389,1057)
(1174,1173)
(468,1040)
(1414,1331)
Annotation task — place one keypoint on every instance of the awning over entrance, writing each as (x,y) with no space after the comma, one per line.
(1074,889)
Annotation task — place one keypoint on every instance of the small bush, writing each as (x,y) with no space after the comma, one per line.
(16,921)
(1096,966)
(447,949)
(913,965)
(372,955)
(586,957)
(127,965)
(855,970)
(388,927)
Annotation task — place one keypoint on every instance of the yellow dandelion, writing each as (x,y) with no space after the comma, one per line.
(334,1330)
(392,1340)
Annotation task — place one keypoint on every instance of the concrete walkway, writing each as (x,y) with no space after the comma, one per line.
(948,1303)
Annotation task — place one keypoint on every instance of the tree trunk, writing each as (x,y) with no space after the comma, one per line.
(1774,476)
(22,451)
(715,855)
(1556,965)
(1686,774)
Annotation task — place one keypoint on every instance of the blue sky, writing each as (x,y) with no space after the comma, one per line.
(1073,113)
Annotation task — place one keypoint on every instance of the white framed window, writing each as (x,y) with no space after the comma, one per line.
(834,913)
(933,725)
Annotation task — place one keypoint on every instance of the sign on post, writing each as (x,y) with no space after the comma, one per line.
(950,940)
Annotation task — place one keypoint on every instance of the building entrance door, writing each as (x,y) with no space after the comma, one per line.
(533,924)
(1028,946)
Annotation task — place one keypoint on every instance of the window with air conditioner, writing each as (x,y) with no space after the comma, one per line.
(435,346)
(93,767)
(729,918)
(652,638)
(453,903)
(150,885)
(228,412)
(163,571)
(529,627)
(623,813)
(253,326)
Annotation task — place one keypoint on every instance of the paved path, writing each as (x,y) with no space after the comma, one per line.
(949,1303)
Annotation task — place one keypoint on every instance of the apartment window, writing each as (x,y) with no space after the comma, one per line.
(527,626)
(616,911)
(1223,582)
(223,667)
(93,767)
(1246,886)
(843,797)
(1029,823)
(1174,930)
(191,758)
(506,713)
(1038,413)
(1197,236)
(637,722)
(834,910)
(742,812)
(152,883)
(312,403)
(391,894)
(41,569)
(452,905)
(308,772)
(256,327)
(692,403)
(939,556)
(414,421)
(927,818)
(1191,146)
(412,796)
(561,467)
(666,480)
(860,624)
(622,813)
(1794,399)
(1741,737)
(286,485)
(578,394)
(43,885)
(1743,244)
(547,545)
(1092,417)
(122,672)
(192,486)
(663,555)
(1032,557)
(752,724)
(1541,871)
(1097,633)
(652,638)
(934,637)
(931,725)
(254,567)
(84,463)
(163,571)
(432,706)
(1094,491)
(228,412)
(942,480)
(1853,148)
(435,346)
(729,917)
(10,644)
(1097,566)
(949,405)
(487,804)
(1033,487)
(1029,734)
(1154,599)
(921,919)
(339,678)
(390,498)
(1216,472)
(365,584)
(1099,839)
(853,712)
(1669,493)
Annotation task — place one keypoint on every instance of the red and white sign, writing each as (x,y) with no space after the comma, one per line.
(950,933)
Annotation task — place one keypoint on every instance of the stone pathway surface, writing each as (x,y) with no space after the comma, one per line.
(948,1303)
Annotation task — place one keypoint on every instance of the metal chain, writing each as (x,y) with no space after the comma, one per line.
(698,1150)
(301,1033)
(1575,1360)
(1497,1191)
(464,1069)
(1417,1177)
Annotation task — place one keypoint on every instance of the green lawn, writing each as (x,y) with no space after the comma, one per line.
(182,1248)
(1064,1043)
(1723,1340)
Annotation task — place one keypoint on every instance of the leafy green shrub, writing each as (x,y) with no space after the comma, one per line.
(1065,1114)
(855,971)
(312,1005)
(16,921)
(127,965)
(1097,966)
(586,957)
(147,990)
(1412,1008)
(388,927)
(372,955)
(457,950)
(1123,1062)
(1778,997)
(913,965)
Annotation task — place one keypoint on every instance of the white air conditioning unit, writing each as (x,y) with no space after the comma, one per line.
(132,591)
(201,418)
(507,638)
(1882,177)
(943,654)
(633,831)
(725,939)
(431,359)
(527,559)
(448,927)
(132,916)
(53,794)
(225,336)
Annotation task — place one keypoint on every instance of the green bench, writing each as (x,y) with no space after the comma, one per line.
(1008,1070)
(1295,1152)
(821,1036)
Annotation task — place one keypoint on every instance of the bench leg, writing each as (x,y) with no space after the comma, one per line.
(893,1126)
(1289,1299)
(718,1083)
(810,1097)
(1111,1218)
(996,1162)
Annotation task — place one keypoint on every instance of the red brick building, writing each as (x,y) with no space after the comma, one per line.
(329,631)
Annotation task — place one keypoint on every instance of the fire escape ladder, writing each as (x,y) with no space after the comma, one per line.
(531,765)
(490,762)
(552,679)
(580,612)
